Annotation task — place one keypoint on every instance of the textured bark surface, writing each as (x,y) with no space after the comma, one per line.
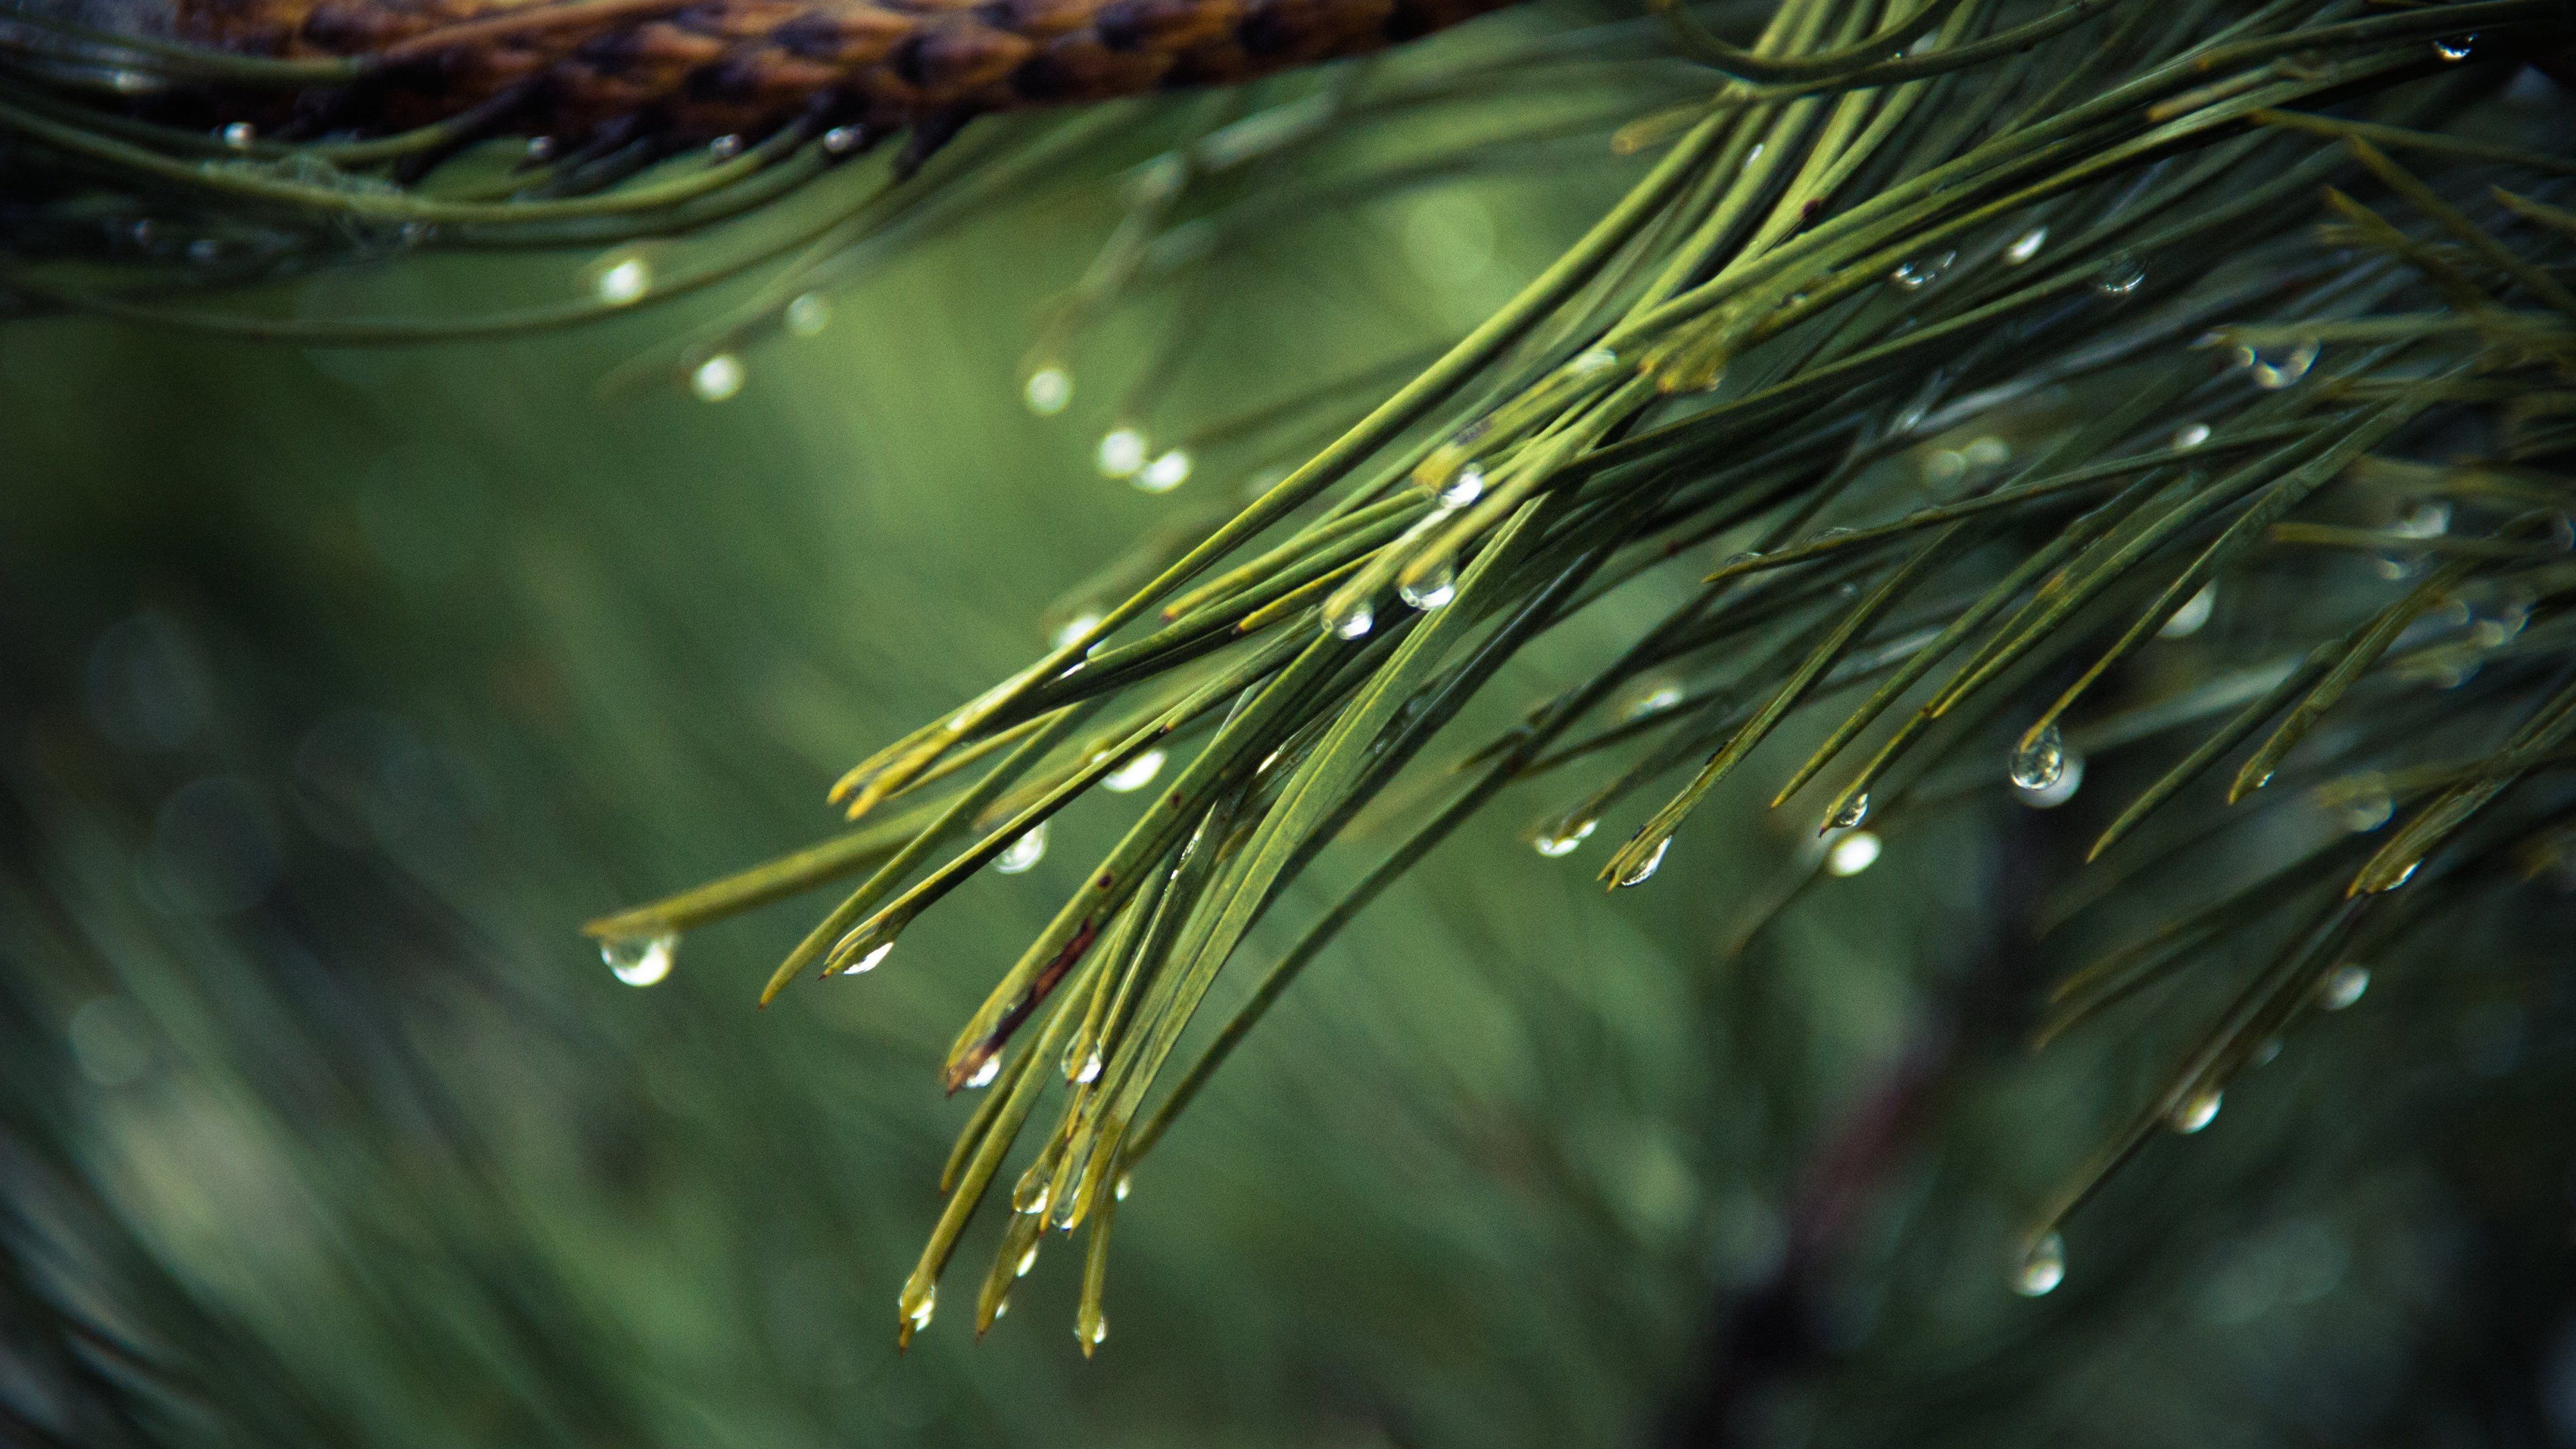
(717,67)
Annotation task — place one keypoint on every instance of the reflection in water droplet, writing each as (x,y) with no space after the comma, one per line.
(2455,49)
(1121,453)
(1354,619)
(2190,436)
(2042,1268)
(2040,761)
(1465,488)
(1124,1179)
(1644,870)
(2070,777)
(2343,986)
(640,960)
(725,148)
(2121,275)
(1136,774)
(920,1310)
(1027,1261)
(2026,246)
(1165,473)
(1852,853)
(843,140)
(1652,698)
(870,959)
(238,135)
(1853,812)
(1038,1203)
(2430,519)
(1432,590)
(1024,852)
(717,378)
(2366,813)
(985,1074)
(2274,368)
(1090,1069)
(1561,836)
(2197,1112)
(2186,621)
(623,281)
(807,315)
(1074,628)
(1593,362)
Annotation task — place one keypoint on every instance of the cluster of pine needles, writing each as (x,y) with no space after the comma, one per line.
(1949,355)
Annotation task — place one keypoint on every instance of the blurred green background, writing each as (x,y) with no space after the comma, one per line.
(342,685)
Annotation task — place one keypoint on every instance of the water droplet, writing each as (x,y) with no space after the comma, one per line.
(640,960)
(1559,837)
(1944,466)
(1853,812)
(2186,621)
(917,1312)
(1074,628)
(1432,590)
(2196,1112)
(2343,986)
(1038,1201)
(1988,452)
(1024,852)
(1090,1069)
(541,148)
(2025,246)
(2042,1268)
(2274,368)
(1352,620)
(1122,452)
(1465,488)
(2070,777)
(1922,272)
(2430,519)
(807,314)
(2368,812)
(2039,761)
(870,959)
(1644,870)
(1001,1310)
(1099,1328)
(1165,473)
(843,140)
(1134,775)
(2268,1053)
(725,148)
(1027,1261)
(238,135)
(623,281)
(985,1074)
(1124,1179)
(1593,362)
(1047,391)
(717,378)
(2121,275)
(2190,436)
(1652,697)
(205,249)
(2405,875)
(2455,49)
(1745,559)
(1852,853)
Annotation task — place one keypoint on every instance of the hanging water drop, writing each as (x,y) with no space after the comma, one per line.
(917,1311)
(2042,1268)
(717,378)
(1027,1261)
(869,959)
(1121,453)
(1921,272)
(2070,777)
(1465,488)
(1024,852)
(2429,519)
(1644,870)
(1854,852)
(2186,621)
(1134,775)
(1559,837)
(807,314)
(2343,986)
(1074,628)
(1165,473)
(2190,436)
(1038,1203)
(640,960)
(238,135)
(2196,1111)
(2026,246)
(623,281)
(1047,391)
(2274,368)
(1351,620)
(1120,1190)
(1652,698)
(2365,813)
(984,1075)
(1853,812)
(2039,761)
(1432,590)
(2121,275)
(1090,1069)
(2455,49)
(1099,1331)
